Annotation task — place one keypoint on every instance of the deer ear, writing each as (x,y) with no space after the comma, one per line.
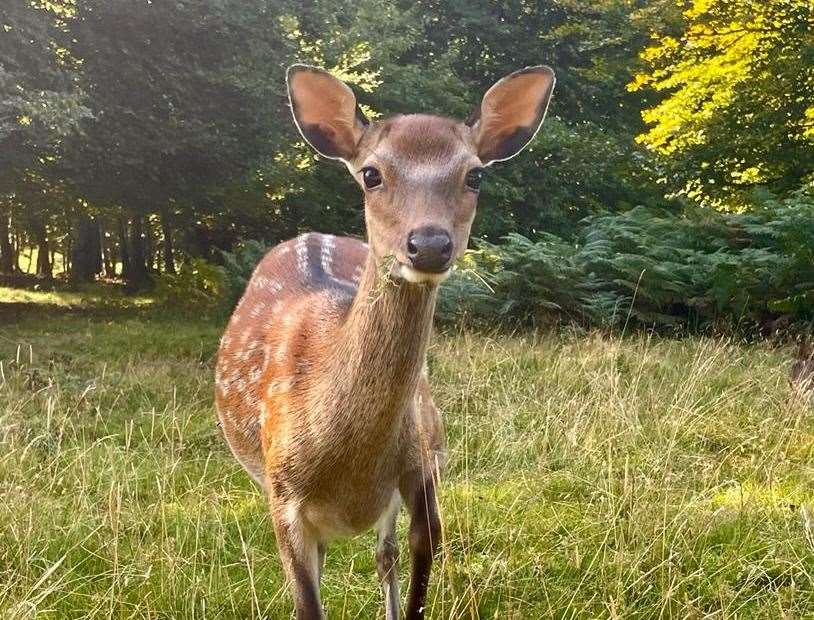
(325,111)
(511,113)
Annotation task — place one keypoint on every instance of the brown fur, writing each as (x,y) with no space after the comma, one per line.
(321,386)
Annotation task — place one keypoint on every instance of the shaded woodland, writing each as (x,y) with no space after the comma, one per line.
(139,137)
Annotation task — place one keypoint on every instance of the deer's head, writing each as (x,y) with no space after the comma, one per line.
(420,174)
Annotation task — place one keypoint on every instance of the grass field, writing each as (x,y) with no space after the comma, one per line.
(589,477)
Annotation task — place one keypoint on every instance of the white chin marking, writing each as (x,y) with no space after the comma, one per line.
(422,277)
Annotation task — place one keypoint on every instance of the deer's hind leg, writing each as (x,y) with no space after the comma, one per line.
(425,534)
(300,554)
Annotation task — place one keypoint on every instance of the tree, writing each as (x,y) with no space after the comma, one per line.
(40,106)
(175,113)
(736,105)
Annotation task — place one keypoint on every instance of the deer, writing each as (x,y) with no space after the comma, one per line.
(321,380)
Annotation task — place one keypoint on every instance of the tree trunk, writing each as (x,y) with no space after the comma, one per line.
(43,261)
(147,236)
(199,242)
(6,251)
(124,250)
(86,254)
(19,252)
(167,249)
(138,276)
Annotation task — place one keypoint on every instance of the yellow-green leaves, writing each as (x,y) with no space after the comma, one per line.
(735,91)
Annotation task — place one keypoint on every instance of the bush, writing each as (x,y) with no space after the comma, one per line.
(238,267)
(651,267)
(199,286)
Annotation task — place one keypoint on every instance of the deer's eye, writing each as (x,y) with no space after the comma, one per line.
(474,178)
(372,177)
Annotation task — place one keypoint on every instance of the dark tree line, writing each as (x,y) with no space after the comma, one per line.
(137,134)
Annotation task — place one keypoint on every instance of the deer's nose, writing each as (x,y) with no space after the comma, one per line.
(429,249)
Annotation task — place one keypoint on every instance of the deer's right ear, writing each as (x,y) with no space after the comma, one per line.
(325,112)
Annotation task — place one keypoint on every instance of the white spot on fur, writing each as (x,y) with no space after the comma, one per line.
(301,248)
(263,413)
(326,254)
(257,310)
(279,357)
(342,281)
(278,386)
(226,415)
(357,273)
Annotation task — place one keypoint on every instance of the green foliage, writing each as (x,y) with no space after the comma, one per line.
(192,148)
(39,103)
(199,286)
(655,268)
(519,278)
(238,267)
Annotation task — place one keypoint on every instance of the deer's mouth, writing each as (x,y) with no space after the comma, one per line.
(415,276)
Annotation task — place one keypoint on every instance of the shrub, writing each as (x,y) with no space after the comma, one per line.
(238,267)
(198,286)
(651,267)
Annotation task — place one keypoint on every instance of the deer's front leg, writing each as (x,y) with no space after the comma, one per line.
(300,555)
(425,534)
(387,558)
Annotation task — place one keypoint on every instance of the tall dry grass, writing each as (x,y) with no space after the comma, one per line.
(589,477)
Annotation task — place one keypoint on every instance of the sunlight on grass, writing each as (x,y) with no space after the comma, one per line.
(90,295)
(763,496)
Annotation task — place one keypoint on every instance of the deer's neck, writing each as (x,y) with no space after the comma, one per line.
(380,349)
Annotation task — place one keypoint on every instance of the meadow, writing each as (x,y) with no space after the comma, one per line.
(590,476)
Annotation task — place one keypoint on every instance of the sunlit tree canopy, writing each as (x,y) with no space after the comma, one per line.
(736,97)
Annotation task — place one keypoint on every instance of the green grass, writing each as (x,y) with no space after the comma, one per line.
(589,477)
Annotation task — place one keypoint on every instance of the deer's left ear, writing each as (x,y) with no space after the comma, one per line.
(325,111)
(511,113)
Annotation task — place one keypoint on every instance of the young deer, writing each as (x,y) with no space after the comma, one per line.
(321,382)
